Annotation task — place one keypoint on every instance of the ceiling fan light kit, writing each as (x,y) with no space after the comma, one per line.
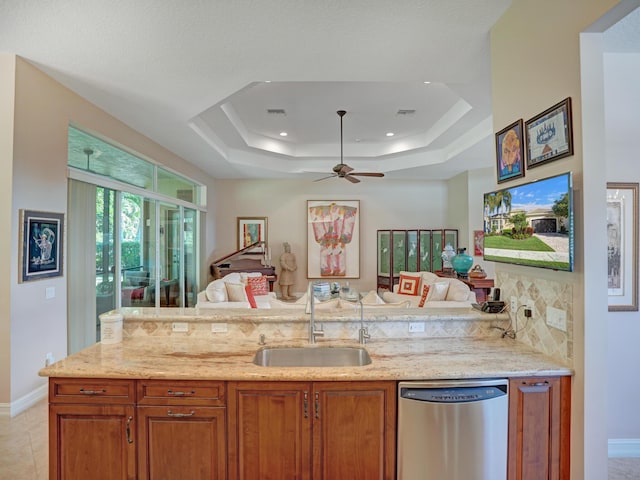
(342,170)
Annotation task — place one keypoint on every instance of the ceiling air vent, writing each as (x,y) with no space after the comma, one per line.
(406,112)
(276,111)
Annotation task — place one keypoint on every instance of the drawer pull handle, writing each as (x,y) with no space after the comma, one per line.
(536,384)
(181,394)
(180,415)
(306,404)
(93,392)
(129,439)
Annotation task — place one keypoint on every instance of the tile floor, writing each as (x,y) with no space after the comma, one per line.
(24,454)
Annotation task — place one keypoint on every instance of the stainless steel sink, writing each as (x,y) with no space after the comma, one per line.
(312,357)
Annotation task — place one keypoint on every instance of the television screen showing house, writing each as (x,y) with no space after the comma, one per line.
(531,224)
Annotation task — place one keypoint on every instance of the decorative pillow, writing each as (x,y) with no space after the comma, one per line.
(423,298)
(408,285)
(258,285)
(458,291)
(372,298)
(437,291)
(236,292)
(250,298)
(216,291)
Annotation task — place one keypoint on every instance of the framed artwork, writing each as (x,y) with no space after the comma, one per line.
(42,237)
(252,230)
(550,135)
(510,152)
(333,239)
(622,246)
(478,243)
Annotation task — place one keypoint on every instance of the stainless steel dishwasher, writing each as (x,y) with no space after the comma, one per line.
(453,430)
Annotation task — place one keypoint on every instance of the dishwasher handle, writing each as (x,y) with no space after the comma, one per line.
(453,394)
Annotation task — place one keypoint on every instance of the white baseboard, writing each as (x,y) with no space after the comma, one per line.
(20,405)
(624,447)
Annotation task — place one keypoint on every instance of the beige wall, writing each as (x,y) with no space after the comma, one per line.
(536,63)
(7,81)
(384,204)
(44,109)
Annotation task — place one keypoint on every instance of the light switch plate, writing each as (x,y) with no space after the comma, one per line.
(557,318)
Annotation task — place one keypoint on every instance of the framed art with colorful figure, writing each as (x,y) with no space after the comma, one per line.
(252,230)
(510,152)
(41,252)
(333,239)
(550,135)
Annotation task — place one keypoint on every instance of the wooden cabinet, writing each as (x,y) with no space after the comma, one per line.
(291,429)
(181,430)
(354,430)
(91,429)
(539,423)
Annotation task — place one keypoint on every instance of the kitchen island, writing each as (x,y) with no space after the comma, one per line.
(195,404)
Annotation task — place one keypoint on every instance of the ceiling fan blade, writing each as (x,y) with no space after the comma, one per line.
(342,168)
(325,178)
(368,174)
(352,179)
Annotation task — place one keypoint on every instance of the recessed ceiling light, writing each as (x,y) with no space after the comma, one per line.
(426,82)
(283,134)
(267,81)
(390,134)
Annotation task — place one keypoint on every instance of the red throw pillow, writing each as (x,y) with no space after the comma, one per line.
(423,298)
(252,301)
(258,285)
(408,285)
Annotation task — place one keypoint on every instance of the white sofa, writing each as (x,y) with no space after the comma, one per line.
(444,292)
(226,293)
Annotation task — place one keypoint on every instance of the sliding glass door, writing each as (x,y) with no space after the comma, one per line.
(126,250)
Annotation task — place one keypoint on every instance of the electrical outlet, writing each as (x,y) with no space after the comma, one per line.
(181,327)
(557,318)
(529,304)
(49,359)
(219,328)
(416,327)
(513,306)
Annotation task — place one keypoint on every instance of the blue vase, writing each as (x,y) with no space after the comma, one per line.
(462,262)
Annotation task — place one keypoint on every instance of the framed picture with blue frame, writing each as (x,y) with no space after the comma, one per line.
(510,152)
(42,242)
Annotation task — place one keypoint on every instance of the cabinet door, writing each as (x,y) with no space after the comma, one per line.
(181,442)
(539,418)
(354,430)
(269,430)
(91,441)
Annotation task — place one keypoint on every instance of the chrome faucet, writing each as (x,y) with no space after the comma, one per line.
(363,332)
(313,333)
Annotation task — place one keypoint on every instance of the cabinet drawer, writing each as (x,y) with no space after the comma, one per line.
(89,390)
(159,392)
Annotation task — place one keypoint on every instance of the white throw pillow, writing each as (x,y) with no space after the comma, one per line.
(372,298)
(438,291)
(216,291)
(390,297)
(458,291)
(236,292)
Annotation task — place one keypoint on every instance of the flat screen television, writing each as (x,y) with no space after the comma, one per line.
(531,224)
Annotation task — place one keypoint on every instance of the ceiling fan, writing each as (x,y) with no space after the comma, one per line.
(342,170)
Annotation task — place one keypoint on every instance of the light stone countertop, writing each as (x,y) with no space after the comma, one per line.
(185,358)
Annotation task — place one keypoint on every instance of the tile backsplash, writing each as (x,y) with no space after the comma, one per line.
(535,331)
